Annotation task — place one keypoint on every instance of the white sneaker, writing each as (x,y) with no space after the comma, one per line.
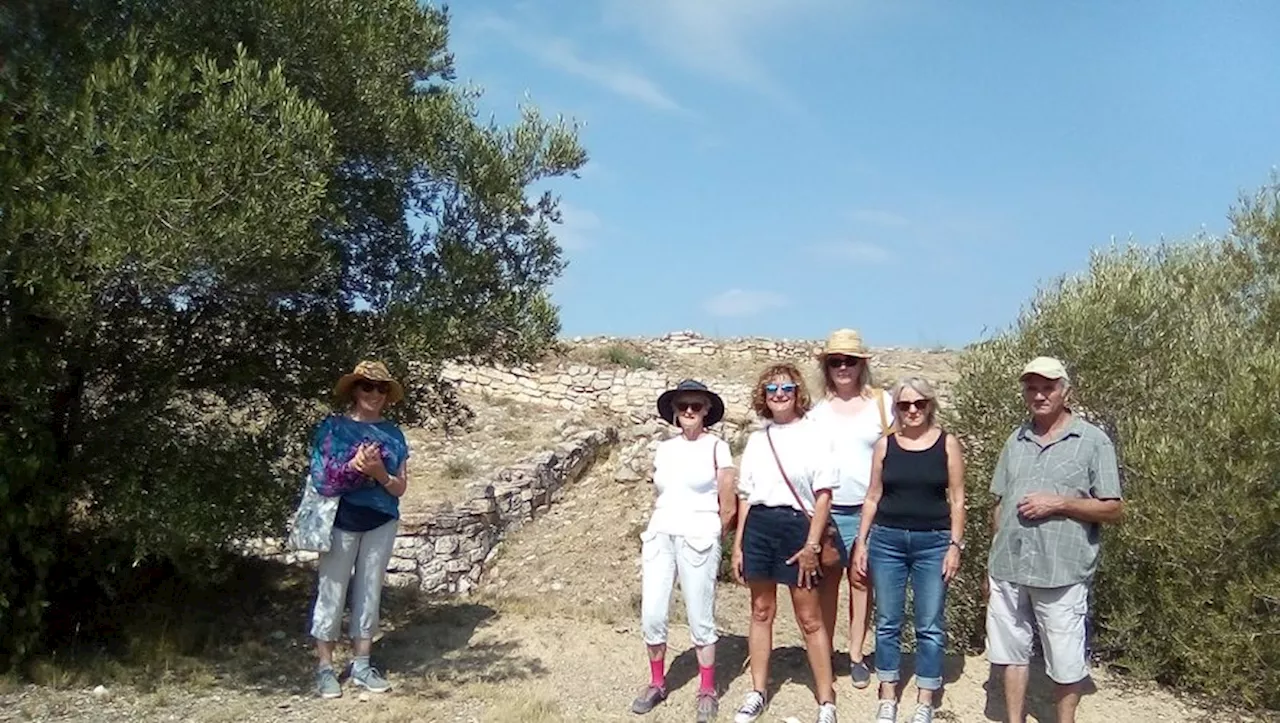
(752,708)
(924,713)
(827,713)
(888,712)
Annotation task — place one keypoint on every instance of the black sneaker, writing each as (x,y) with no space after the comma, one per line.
(860,673)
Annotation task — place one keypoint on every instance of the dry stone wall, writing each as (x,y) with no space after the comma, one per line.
(570,385)
(631,392)
(443,549)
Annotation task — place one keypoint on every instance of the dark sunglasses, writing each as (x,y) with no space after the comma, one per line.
(694,407)
(786,388)
(370,386)
(921,404)
(840,362)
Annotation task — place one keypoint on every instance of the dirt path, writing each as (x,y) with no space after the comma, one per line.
(551,638)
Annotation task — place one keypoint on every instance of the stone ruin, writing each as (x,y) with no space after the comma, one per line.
(444,549)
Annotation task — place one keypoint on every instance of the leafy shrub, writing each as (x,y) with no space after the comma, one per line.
(205,219)
(725,572)
(1173,352)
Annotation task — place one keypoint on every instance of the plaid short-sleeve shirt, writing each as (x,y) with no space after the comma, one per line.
(1058,551)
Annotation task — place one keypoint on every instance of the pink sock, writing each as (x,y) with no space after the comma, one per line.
(708,678)
(656,677)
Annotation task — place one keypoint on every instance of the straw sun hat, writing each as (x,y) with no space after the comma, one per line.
(373,371)
(847,342)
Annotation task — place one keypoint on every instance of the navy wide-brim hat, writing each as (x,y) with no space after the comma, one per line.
(667,400)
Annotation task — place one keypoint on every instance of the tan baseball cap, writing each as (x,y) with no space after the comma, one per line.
(1044,366)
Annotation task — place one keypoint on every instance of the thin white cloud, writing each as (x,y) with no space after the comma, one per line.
(859,251)
(877,217)
(743,302)
(717,38)
(579,228)
(562,55)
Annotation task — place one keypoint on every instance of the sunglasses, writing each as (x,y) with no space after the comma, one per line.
(785,388)
(365,385)
(841,362)
(921,404)
(694,407)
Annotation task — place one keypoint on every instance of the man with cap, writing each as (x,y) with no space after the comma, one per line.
(1056,483)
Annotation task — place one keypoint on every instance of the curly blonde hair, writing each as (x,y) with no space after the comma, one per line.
(758,401)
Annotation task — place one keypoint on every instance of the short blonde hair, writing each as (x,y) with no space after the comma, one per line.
(920,386)
(759,401)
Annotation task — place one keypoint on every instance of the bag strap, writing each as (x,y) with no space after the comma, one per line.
(885,427)
(784,473)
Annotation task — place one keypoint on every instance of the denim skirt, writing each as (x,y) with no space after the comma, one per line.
(770,536)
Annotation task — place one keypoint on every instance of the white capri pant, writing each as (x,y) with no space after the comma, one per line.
(1059,613)
(695,560)
(359,558)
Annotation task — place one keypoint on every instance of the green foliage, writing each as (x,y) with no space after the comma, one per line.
(205,218)
(1172,351)
(724,572)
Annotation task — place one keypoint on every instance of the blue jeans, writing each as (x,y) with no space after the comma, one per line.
(892,555)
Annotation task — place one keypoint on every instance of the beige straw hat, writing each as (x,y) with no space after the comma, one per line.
(374,371)
(847,342)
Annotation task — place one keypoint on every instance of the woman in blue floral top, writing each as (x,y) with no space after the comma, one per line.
(360,458)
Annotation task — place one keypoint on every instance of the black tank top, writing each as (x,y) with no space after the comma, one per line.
(915,487)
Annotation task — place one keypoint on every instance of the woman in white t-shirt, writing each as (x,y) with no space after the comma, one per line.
(783,512)
(853,417)
(694,477)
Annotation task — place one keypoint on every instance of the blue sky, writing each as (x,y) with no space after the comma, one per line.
(911,168)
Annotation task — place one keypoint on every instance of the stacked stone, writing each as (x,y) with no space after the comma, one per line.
(443,549)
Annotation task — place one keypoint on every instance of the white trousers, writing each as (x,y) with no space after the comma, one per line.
(695,561)
(358,558)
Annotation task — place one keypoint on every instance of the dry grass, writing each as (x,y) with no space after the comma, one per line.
(622,355)
(536,708)
(503,433)
(459,468)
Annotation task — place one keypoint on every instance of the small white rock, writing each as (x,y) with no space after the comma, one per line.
(364,698)
(101,692)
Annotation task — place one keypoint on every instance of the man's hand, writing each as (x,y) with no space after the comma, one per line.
(1040,506)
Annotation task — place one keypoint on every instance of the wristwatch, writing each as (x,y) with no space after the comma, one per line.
(959,544)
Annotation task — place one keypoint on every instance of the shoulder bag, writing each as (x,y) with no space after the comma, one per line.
(829,555)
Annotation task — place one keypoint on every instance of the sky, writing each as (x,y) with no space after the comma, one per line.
(913,169)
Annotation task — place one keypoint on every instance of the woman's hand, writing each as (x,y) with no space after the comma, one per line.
(368,461)
(807,560)
(951,564)
(736,563)
(860,558)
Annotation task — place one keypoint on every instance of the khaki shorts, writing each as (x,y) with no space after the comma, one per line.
(1058,612)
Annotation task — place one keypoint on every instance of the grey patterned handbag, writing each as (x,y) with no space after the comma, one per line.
(312,525)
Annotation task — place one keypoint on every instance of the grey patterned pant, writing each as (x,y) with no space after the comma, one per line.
(358,558)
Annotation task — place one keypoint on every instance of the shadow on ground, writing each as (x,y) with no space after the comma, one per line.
(246,628)
(1040,704)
